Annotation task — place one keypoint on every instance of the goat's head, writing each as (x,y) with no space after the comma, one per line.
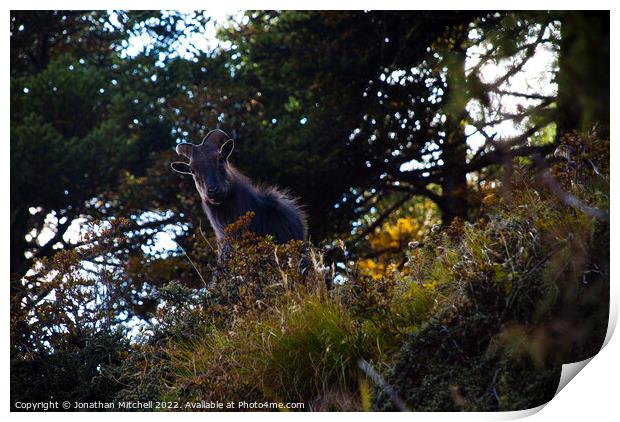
(208,164)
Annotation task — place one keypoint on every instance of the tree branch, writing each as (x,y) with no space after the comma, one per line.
(513,116)
(380,219)
(418,190)
(499,156)
(530,49)
(524,95)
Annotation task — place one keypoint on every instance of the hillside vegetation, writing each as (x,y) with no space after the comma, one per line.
(480,317)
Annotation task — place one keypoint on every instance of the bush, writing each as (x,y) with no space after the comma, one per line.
(77,374)
(529,286)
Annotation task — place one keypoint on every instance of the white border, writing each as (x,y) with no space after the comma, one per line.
(591,396)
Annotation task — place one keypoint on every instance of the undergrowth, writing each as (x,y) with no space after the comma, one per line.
(480,317)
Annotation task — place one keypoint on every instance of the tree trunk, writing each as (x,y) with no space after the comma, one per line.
(19,228)
(454,152)
(454,183)
(583,78)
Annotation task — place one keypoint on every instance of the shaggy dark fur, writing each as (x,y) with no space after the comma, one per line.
(227,194)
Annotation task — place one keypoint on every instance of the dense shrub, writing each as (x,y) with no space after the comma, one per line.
(75,374)
(530,291)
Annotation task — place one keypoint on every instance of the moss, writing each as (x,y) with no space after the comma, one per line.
(449,366)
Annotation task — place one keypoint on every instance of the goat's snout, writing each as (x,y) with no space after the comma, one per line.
(213,190)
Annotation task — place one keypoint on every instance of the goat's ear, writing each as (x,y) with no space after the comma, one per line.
(215,138)
(181,167)
(227,148)
(185,149)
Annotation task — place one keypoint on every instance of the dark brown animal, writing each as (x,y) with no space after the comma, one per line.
(227,194)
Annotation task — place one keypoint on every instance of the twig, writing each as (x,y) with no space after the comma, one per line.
(282,273)
(192,262)
(382,384)
(568,198)
(598,173)
(493,386)
(524,95)
(204,237)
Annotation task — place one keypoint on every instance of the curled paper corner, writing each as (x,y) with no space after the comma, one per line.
(611,322)
(569,370)
(518,414)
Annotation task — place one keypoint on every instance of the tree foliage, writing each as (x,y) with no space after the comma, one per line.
(401,132)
